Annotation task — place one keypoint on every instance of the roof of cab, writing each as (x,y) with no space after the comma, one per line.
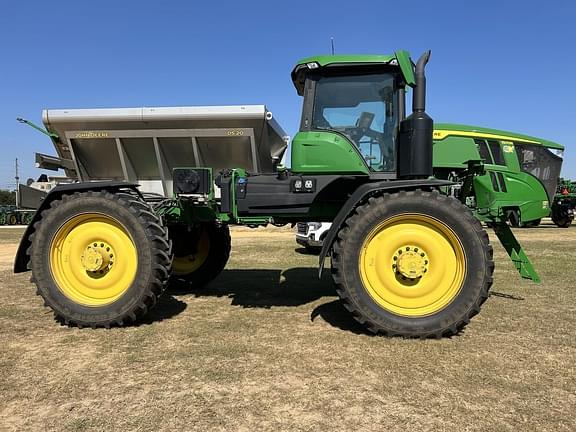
(324,60)
(320,61)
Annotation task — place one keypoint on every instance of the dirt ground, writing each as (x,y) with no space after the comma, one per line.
(268,346)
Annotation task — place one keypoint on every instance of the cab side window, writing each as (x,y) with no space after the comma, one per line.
(490,151)
(496,152)
(483,150)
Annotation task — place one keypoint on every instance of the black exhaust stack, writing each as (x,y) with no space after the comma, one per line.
(415,138)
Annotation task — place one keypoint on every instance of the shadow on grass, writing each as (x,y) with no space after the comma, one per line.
(506,296)
(264,288)
(167,307)
(337,316)
(308,251)
(267,288)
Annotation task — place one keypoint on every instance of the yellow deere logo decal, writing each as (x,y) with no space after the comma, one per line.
(508,149)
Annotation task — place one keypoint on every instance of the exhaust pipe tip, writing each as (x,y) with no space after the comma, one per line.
(419,97)
(422,62)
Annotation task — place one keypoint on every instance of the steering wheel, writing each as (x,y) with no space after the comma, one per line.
(361,128)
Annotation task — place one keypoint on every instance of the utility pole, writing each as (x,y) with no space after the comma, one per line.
(17,183)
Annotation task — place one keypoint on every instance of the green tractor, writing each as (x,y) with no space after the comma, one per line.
(9,215)
(564,203)
(521,171)
(159,188)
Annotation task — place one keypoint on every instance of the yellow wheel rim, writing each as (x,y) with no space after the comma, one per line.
(93,259)
(183,265)
(412,265)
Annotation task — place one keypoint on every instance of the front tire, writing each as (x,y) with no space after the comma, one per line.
(413,264)
(99,259)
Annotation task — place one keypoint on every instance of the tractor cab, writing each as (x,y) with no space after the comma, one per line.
(352,109)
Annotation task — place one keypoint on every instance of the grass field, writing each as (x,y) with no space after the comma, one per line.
(269,347)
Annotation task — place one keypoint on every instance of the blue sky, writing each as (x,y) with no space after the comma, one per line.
(507,65)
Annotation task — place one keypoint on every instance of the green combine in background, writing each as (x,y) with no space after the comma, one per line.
(521,172)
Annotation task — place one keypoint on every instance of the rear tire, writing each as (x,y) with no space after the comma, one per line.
(562,219)
(563,222)
(99,259)
(433,289)
(200,253)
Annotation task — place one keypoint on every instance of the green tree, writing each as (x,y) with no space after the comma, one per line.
(7,197)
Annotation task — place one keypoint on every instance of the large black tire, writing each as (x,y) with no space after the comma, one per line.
(562,221)
(149,247)
(186,240)
(514,218)
(441,211)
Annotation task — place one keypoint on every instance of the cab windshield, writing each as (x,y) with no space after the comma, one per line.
(365,109)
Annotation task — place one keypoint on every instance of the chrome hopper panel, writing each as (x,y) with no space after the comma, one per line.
(144,145)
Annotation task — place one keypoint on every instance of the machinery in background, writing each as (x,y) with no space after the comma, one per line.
(564,203)
(520,172)
(311,235)
(12,215)
(517,182)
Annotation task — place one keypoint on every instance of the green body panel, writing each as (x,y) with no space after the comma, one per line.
(326,153)
(403,58)
(454,152)
(454,145)
(524,193)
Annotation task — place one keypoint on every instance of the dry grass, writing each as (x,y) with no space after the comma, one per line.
(268,347)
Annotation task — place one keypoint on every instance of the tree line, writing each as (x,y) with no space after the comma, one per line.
(7,197)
